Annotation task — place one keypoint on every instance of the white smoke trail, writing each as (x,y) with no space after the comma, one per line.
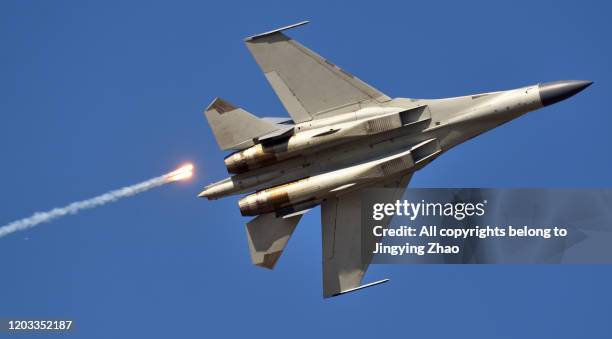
(75,207)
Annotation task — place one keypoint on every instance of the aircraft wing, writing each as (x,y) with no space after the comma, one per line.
(309,86)
(343,265)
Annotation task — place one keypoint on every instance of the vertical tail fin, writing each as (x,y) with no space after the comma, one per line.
(233,127)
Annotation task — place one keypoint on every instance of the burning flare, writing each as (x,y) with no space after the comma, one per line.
(184,172)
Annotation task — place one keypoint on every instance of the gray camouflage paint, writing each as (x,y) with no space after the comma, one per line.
(346,136)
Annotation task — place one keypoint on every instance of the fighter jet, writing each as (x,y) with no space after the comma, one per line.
(343,136)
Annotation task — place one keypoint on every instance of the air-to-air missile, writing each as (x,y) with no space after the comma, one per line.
(343,136)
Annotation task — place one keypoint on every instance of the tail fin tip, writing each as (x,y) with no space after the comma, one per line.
(221,105)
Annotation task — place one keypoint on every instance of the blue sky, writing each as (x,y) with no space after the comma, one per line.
(97,95)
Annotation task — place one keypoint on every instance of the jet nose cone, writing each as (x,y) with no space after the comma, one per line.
(552,92)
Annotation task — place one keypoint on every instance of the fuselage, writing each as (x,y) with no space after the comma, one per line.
(346,142)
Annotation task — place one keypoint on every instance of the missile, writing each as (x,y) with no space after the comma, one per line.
(261,155)
(309,191)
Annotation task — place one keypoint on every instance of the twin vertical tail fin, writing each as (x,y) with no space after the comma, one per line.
(233,127)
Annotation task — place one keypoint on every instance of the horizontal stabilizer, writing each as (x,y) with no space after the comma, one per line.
(268,236)
(233,127)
